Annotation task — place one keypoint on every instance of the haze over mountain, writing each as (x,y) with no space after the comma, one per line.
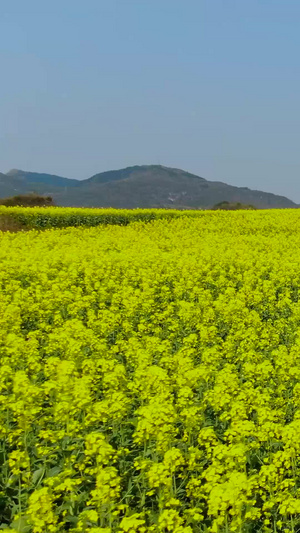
(137,186)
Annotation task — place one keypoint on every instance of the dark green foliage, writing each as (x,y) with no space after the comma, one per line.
(27,200)
(232,206)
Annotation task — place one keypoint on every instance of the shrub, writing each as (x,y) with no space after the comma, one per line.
(27,200)
(232,206)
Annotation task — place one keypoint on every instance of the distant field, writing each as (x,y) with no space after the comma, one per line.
(24,218)
(150,374)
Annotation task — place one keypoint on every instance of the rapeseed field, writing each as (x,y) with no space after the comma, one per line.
(150,376)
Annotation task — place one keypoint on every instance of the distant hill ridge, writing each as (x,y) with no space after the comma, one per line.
(137,186)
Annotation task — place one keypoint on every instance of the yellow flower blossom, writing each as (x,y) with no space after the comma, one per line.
(150,372)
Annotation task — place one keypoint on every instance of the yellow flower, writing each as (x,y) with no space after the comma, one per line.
(40,511)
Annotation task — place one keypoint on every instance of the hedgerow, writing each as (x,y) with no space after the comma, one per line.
(60,217)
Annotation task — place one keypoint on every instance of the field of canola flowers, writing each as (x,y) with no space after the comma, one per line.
(150,376)
(24,218)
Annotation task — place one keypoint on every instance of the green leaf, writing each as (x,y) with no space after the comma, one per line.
(54,471)
(38,475)
(21,525)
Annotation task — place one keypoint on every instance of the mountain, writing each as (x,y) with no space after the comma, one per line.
(10,186)
(40,180)
(137,186)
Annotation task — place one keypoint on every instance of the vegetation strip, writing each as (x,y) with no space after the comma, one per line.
(59,217)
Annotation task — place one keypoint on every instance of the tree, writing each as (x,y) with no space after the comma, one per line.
(28,200)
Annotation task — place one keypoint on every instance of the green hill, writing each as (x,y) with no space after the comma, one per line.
(137,186)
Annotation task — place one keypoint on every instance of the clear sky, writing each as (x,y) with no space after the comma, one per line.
(209,86)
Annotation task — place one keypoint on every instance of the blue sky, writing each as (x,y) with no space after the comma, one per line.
(209,86)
